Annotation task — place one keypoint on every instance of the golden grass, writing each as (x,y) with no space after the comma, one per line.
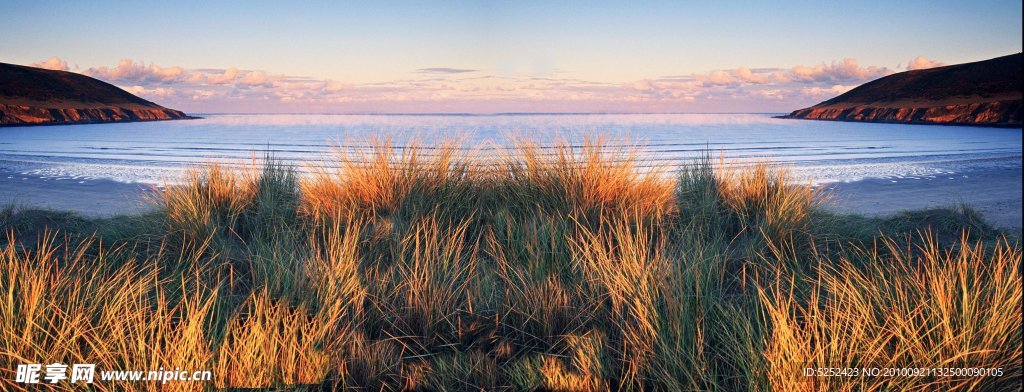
(382,180)
(764,196)
(595,178)
(65,304)
(917,307)
(212,197)
(562,269)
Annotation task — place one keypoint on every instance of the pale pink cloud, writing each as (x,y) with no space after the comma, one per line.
(130,71)
(746,75)
(717,77)
(773,94)
(127,70)
(200,95)
(825,92)
(643,85)
(242,90)
(158,92)
(846,70)
(55,63)
(742,76)
(228,76)
(780,77)
(234,76)
(258,78)
(920,62)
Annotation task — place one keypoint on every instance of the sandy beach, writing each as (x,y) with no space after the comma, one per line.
(96,198)
(995,192)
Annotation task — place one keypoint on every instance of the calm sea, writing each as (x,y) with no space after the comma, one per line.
(821,151)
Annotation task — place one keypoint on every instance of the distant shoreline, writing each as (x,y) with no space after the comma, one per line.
(86,122)
(953,124)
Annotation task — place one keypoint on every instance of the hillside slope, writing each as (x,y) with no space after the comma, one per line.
(981,93)
(36,96)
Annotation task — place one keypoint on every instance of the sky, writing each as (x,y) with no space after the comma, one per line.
(499,57)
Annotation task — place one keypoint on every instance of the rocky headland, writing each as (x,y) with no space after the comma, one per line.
(983,93)
(36,96)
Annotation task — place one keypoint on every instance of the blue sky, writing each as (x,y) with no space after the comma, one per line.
(576,56)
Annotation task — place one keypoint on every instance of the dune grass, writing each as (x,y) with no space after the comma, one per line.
(565,268)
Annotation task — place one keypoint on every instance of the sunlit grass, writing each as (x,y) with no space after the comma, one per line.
(900,306)
(566,268)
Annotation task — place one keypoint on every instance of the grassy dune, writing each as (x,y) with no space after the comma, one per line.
(571,269)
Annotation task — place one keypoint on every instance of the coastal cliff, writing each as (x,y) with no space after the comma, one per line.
(986,93)
(36,96)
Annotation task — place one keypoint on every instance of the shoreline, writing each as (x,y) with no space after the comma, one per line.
(87,122)
(993,191)
(947,124)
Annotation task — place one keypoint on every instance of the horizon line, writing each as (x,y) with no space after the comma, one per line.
(472,114)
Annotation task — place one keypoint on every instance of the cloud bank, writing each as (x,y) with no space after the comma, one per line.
(460,90)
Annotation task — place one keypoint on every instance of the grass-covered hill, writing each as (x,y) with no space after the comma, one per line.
(35,96)
(986,93)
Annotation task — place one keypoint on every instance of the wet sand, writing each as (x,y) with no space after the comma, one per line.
(995,192)
(97,198)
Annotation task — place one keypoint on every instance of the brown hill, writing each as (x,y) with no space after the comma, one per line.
(984,93)
(36,96)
